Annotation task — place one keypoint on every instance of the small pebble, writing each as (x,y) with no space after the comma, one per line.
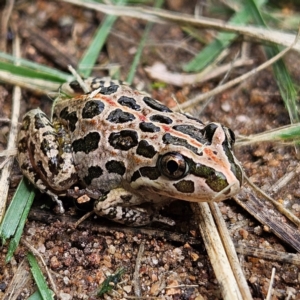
(226,107)
(65,296)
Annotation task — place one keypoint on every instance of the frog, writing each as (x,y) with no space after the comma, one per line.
(128,152)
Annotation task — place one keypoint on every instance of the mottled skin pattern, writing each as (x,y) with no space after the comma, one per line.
(123,148)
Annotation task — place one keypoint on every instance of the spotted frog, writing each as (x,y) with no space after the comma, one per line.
(127,151)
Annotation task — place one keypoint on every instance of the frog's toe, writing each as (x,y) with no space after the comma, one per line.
(59,208)
(163,220)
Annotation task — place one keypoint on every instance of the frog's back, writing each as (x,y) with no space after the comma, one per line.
(122,136)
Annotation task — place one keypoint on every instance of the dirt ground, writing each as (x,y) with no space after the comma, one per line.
(174,264)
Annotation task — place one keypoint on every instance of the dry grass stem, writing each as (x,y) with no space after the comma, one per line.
(83,218)
(279,206)
(198,99)
(230,251)
(284,180)
(8,152)
(163,16)
(5,120)
(268,215)
(159,72)
(83,85)
(5,16)
(282,257)
(39,86)
(266,136)
(18,283)
(269,295)
(136,279)
(11,143)
(216,252)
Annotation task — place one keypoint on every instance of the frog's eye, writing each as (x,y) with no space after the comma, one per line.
(172,165)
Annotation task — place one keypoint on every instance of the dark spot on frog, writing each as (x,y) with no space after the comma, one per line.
(214,179)
(136,175)
(156,105)
(191,131)
(25,123)
(64,113)
(92,108)
(148,127)
(41,169)
(26,166)
(53,164)
(126,198)
(98,82)
(161,119)
(173,140)
(93,172)
(45,147)
(185,186)
(70,117)
(234,167)
(209,131)
(151,172)
(145,149)
(39,123)
(47,133)
(37,177)
(123,140)
(119,116)
(22,145)
(129,102)
(75,85)
(192,118)
(87,144)
(108,90)
(114,166)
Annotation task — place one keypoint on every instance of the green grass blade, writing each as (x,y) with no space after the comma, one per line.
(26,72)
(213,50)
(138,54)
(21,199)
(90,56)
(136,60)
(15,240)
(286,86)
(26,68)
(39,279)
(292,133)
(88,61)
(285,134)
(35,296)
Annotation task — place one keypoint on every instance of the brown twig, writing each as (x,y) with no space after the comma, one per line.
(5,16)
(11,144)
(136,280)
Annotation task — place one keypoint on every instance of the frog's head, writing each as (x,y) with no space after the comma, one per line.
(202,168)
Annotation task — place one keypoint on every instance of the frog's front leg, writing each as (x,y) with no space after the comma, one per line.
(120,206)
(45,154)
